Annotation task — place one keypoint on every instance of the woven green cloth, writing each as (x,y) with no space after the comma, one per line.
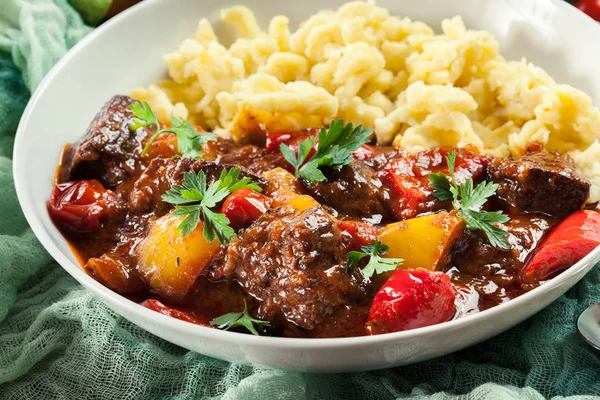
(57,341)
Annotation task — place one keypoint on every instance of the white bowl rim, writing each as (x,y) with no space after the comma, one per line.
(209,333)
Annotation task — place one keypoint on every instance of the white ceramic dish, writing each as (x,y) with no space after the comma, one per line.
(126,52)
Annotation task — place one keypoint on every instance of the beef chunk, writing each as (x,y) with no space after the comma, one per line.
(541,183)
(157,178)
(354,190)
(293,263)
(496,269)
(251,157)
(109,151)
(162,173)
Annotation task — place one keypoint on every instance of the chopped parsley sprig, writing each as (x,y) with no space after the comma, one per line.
(243,319)
(467,200)
(194,200)
(376,264)
(334,150)
(189,140)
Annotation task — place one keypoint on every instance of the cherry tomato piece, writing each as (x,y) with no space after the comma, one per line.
(157,306)
(574,238)
(244,206)
(82,206)
(590,7)
(411,299)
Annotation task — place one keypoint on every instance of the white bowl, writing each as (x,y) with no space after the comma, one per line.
(126,52)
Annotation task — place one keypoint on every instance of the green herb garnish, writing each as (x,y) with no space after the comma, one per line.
(194,201)
(467,201)
(243,319)
(376,264)
(189,140)
(334,150)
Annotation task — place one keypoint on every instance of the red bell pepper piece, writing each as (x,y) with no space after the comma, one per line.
(157,306)
(276,139)
(411,299)
(244,206)
(590,7)
(358,233)
(82,206)
(407,178)
(574,238)
(291,138)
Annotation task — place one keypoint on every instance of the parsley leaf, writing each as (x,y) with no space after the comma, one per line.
(194,201)
(334,149)
(441,187)
(189,141)
(468,201)
(304,149)
(376,264)
(479,220)
(144,115)
(243,319)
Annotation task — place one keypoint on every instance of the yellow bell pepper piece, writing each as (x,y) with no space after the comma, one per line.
(423,242)
(170,263)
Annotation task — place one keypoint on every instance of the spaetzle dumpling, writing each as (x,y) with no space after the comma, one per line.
(416,88)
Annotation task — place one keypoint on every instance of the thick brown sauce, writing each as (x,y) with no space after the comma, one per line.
(209,299)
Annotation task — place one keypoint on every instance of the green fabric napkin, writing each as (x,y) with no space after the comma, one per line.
(57,341)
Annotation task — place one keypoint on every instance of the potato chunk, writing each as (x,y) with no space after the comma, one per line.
(170,263)
(423,242)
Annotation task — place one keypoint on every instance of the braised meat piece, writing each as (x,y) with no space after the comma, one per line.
(498,269)
(156,179)
(109,151)
(376,157)
(162,173)
(293,263)
(407,178)
(541,183)
(353,190)
(251,157)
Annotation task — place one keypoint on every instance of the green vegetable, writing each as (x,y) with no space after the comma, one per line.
(243,319)
(189,141)
(334,150)
(376,264)
(194,200)
(468,201)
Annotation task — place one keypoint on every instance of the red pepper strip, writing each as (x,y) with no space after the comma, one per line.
(590,7)
(411,299)
(574,238)
(157,306)
(244,206)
